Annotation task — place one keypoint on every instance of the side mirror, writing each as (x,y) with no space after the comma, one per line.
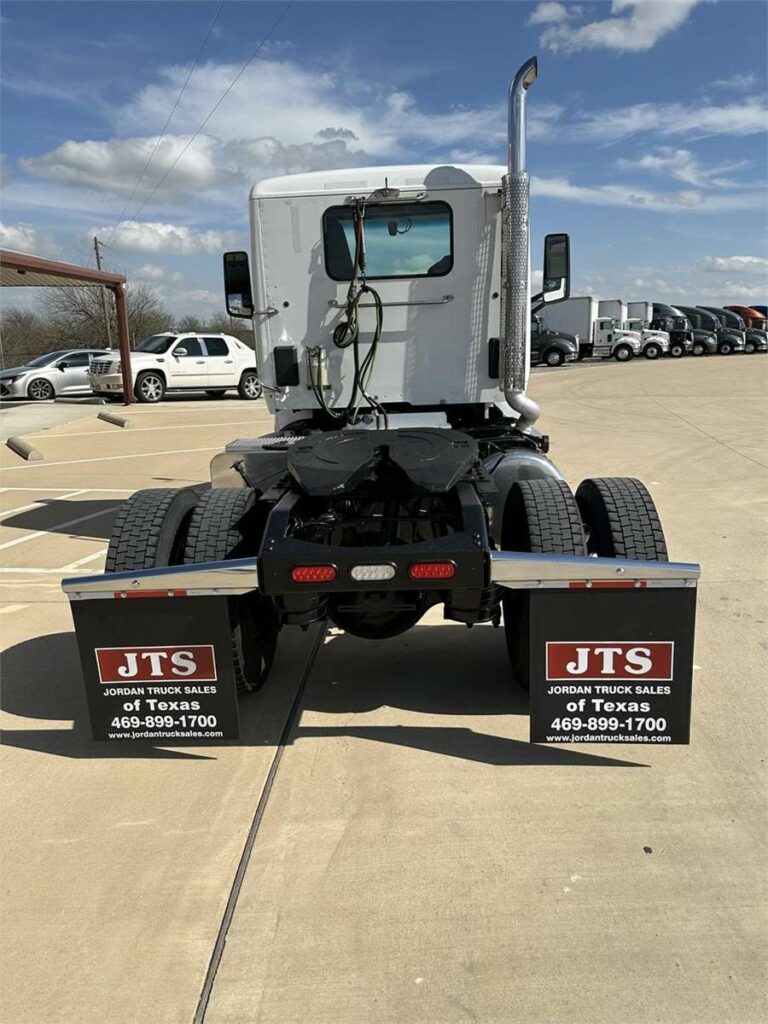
(179,352)
(237,285)
(557,268)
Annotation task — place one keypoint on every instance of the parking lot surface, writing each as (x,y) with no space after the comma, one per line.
(410,857)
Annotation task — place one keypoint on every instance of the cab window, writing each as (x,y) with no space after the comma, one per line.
(191,346)
(216,346)
(401,240)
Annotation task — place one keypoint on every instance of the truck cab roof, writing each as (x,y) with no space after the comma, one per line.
(366,180)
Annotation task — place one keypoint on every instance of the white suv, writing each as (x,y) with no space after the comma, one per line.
(213,363)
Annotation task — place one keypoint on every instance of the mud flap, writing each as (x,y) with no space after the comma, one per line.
(611,665)
(158,668)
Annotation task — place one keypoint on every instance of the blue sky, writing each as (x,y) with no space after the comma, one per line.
(647,137)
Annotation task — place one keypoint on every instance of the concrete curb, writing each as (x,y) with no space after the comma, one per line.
(118,421)
(24,449)
(81,401)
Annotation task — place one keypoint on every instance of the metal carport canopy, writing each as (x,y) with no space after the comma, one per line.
(22,270)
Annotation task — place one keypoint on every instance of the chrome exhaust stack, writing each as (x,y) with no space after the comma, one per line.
(515,256)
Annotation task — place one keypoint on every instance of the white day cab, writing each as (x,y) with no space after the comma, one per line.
(214,363)
(405,472)
(605,336)
(653,343)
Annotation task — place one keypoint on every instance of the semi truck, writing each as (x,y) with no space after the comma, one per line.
(704,342)
(728,341)
(653,343)
(603,336)
(405,471)
(756,324)
(732,321)
(670,319)
(552,348)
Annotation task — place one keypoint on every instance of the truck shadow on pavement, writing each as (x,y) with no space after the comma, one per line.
(76,518)
(430,671)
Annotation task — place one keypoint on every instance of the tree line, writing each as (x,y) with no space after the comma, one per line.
(73,317)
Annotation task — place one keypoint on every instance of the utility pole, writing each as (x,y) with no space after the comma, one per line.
(103,291)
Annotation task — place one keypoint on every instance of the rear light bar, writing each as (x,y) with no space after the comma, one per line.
(432,570)
(313,573)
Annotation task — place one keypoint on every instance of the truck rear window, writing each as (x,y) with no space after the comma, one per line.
(401,240)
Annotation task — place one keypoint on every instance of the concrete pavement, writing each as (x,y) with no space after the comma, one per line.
(416,860)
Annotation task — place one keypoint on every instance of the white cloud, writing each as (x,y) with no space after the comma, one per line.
(739,82)
(549,12)
(729,264)
(643,199)
(18,237)
(684,166)
(671,119)
(198,297)
(155,237)
(634,26)
(160,275)
(114,165)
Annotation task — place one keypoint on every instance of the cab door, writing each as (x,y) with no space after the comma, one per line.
(187,364)
(221,363)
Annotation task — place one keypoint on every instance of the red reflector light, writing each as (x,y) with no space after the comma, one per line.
(313,573)
(432,570)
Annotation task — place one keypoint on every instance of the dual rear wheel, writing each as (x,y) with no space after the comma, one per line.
(611,517)
(163,526)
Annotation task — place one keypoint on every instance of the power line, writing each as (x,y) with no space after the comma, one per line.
(218,103)
(161,136)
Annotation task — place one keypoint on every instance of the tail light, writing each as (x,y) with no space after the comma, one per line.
(432,571)
(313,573)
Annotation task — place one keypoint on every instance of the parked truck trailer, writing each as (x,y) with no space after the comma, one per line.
(603,336)
(401,475)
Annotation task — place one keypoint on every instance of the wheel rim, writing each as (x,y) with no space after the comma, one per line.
(40,389)
(553,359)
(151,388)
(725,350)
(698,350)
(252,387)
(622,355)
(750,348)
(652,352)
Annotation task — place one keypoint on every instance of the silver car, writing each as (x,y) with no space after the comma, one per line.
(56,373)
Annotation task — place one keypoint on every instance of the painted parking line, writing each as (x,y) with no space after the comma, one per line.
(111,458)
(40,501)
(82,561)
(106,432)
(13,608)
(55,529)
(88,490)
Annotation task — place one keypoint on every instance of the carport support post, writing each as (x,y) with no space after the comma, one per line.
(123,343)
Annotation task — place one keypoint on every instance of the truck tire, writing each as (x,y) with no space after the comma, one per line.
(539,516)
(623,353)
(225,525)
(698,348)
(621,519)
(676,349)
(149,386)
(150,529)
(250,387)
(553,357)
(652,350)
(725,348)
(749,348)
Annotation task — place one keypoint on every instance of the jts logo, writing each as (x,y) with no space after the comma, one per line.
(156,664)
(651,661)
